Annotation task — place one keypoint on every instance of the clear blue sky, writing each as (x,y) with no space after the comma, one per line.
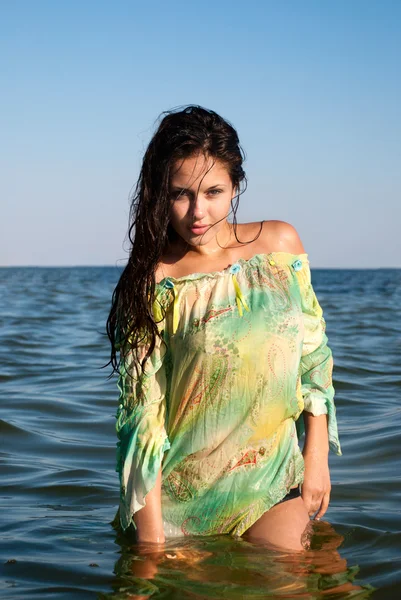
(313,88)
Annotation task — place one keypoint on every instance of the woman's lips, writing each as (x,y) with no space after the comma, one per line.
(199,229)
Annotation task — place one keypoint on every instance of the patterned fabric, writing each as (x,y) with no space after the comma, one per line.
(220,406)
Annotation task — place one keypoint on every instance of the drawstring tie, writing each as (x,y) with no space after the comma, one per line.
(239,297)
(170,285)
(157,311)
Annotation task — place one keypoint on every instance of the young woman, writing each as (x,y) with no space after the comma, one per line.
(223,354)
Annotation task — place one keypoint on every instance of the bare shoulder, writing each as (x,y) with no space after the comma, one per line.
(281,236)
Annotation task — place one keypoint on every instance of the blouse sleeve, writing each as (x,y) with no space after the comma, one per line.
(141,432)
(316,365)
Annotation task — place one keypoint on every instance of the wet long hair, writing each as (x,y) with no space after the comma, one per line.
(181,134)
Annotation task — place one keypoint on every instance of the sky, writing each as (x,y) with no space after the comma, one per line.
(313,88)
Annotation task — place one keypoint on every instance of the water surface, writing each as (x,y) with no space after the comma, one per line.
(59,490)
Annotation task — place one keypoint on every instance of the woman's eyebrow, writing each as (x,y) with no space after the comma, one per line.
(179,188)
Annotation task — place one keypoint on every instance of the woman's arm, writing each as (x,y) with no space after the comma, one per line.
(316,435)
(148,520)
(142,441)
(316,487)
(319,415)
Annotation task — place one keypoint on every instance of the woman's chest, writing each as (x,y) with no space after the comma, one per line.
(240,316)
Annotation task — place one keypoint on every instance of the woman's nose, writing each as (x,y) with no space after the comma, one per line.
(198,208)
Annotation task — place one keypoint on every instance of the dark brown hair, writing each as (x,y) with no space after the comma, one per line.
(181,134)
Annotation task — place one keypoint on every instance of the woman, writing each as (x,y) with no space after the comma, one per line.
(223,354)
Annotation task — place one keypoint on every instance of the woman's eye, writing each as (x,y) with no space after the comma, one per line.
(179,194)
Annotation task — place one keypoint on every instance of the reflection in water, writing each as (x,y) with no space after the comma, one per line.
(58,441)
(223,567)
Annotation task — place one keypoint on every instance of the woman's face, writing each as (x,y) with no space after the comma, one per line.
(201,192)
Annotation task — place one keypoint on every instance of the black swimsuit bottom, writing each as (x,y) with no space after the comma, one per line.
(294,493)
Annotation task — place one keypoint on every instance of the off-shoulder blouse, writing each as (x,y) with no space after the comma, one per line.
(220,407)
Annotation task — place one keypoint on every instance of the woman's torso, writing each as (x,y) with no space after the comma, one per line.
(234,340)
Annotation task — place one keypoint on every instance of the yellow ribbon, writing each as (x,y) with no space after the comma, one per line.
(157,311)
(239,296)
(157,306)
(175,311)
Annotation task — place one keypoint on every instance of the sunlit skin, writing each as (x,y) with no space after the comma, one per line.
(201,194)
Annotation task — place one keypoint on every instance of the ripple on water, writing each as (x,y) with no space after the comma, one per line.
(59,489)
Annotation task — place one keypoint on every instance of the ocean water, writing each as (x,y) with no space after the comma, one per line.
(59,490)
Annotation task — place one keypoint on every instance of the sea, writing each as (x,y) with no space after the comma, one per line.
(58,485)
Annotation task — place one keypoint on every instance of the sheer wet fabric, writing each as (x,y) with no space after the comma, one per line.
(220,407)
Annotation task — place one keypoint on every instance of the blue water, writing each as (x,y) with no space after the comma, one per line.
(59,490)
